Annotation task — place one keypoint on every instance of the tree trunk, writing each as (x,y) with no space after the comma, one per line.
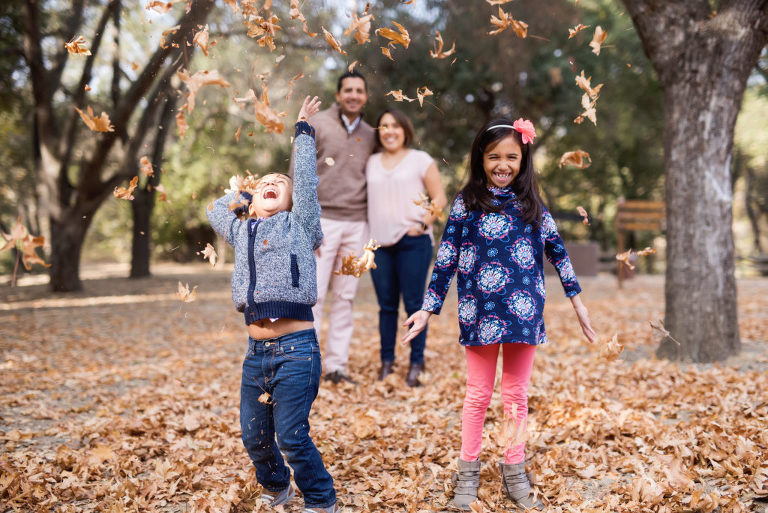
(703,59)
(67,236)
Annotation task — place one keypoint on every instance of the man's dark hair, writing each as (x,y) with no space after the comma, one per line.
(351,74)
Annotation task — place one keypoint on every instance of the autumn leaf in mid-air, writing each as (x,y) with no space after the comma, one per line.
(352,266)
(161,7)
(332,41)
(399,36)
(264,113)
(575,30)
(290,85)
(209,253)
(584,83)
(386,53)
(126,194)
(424,202)
(100,124)
(512,430)
(162,194)
(77,46)
(611,349)
(597,39)
(583,214)
(295,13)
(590,112)
(351,67)
(660,331)
(505,21)
(146,167)
(577,158)
(195,82)
(498,2)
(647,251)
(25,243)
(185,294)
(201,40)
(361,26)
(624,259)
(263,29)
(438,52)
(399,96)
(421,93)
(181,122)
(265,398)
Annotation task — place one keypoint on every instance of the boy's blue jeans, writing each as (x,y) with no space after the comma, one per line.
(288,369)
(401,269)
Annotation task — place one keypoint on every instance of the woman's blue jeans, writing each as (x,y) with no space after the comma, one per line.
(288,369)
(401,269)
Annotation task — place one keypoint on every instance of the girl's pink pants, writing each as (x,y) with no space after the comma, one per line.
(481,375)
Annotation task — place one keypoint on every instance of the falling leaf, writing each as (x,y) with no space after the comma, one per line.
(399,96)
(263,29)
(583,214)
(504,21)
(185,294)
(329,161)
(332,41)
(577,158)
(400,36)
(438,52)
(352,266)
(386,53)
(126,194)
(163,195)
(295,13)
(209,253)
(181,122)
(87,88)
(647,251)
(351,67)
(498,2)
(201,40)
(361,26)
(512,431)
(589,110)
(17,235)
(237,134)
(264,113)
(290,85)
(421,93)
(25,243)
(195,82)
(100,124)
(265,398)
(660,331)
(575,30)
(77,46)
(167,33)
(624,259)
(423,201)
(597,39)
(146,167)
(584,83)
(611,349)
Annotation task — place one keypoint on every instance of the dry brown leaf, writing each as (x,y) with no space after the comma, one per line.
(438,52)
(351,67)
(660,331)
(352,266)
(162,193)
(295,13)
(498,2)
(126,194)
(100,124)
(195,82)
(181,122)
(597,39)
(209,253)
(577,158)
(585,84)
(647,251)
(76,46)
(263,29)
(332,41)
(583,214)
(185,294)
(265,398)
(575,30)
(624,259)
(399,96)
(386,53)
(24,242)
(146,167)
(167,33)
(99,454)
(424,202)
(505,21)
(611,349)
(237,134)
(421,93)
(201,40)
(361,26)
(400,36)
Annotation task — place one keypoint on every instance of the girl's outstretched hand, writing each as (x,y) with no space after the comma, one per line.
(419,321)
(309,108)
(583,314)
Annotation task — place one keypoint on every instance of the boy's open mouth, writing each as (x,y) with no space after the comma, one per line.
(270,194)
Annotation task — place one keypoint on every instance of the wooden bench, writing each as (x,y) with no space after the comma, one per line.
(636,215)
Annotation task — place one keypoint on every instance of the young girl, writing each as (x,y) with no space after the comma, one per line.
(497,235)
(275,286)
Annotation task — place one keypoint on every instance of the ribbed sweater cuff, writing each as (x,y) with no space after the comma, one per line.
(302,127)
(279,310)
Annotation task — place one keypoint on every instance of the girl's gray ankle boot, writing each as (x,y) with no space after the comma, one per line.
(467,483)
(517,486)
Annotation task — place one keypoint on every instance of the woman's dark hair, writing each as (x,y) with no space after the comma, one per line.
(476,194)
(351,74)
(402,119)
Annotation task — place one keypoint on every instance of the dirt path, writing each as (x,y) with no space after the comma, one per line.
(123,398)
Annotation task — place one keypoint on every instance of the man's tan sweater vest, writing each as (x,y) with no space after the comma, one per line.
(341,159)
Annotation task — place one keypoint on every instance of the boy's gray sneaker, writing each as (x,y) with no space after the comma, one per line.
(274,499)
(329,509)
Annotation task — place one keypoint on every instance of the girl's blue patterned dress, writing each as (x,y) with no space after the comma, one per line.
(500,264)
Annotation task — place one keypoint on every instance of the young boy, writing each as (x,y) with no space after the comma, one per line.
(274,285)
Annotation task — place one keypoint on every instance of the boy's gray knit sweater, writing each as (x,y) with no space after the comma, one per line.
(274,274)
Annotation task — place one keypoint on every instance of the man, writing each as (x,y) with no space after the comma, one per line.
(344,143)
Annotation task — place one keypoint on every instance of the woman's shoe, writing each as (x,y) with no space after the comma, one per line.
(386,369)
(274,499)
(415,369)
(467,483)
(517,486)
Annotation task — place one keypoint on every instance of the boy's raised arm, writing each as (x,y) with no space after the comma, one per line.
(306,206)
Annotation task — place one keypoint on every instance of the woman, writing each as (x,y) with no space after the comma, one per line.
(396,176)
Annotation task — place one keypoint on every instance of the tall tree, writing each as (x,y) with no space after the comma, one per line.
(76,177)
(703,57)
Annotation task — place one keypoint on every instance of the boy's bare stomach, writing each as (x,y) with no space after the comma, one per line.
(265,328)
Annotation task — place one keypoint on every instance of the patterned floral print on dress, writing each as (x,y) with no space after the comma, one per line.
(446,255)
(467,257)
(540,286)
(492,277)
(491,329)
(548,226)
(467,310)
(458,210)
(494,226)
(431,301)
(565,269)
(521,304)
(522,253)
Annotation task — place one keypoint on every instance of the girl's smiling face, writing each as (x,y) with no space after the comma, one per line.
(501,162)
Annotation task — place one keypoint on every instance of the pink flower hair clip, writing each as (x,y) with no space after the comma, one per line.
(525,127)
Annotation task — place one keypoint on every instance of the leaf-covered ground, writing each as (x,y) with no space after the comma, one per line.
(123,398)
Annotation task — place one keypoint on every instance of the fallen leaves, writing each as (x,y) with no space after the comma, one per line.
(76,46)
(100,124)
(577,158)
(126,193)
(353,266)
(505,21)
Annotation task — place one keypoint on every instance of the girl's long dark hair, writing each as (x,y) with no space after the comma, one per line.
(476,194)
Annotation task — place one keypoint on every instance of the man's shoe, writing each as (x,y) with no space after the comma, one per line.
(274,499)
(386,369)
(337,377)
(412,380)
